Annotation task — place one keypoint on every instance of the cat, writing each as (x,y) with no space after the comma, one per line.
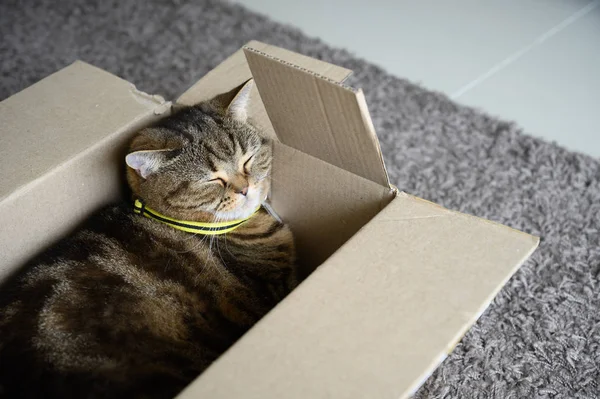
(131,307)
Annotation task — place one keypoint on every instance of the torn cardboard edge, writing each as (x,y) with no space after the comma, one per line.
(161,105)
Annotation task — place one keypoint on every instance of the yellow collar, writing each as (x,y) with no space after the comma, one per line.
(189,226)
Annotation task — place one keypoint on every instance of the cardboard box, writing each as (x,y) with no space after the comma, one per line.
(393,282)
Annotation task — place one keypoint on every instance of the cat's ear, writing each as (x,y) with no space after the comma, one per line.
(147,162)
(238,107)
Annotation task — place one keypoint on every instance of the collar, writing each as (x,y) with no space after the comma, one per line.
(190,226)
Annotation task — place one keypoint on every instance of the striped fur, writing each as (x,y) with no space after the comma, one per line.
(130,308)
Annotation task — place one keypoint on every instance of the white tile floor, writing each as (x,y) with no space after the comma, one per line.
(533,61)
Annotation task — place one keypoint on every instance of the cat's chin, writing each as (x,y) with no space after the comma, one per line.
(242,212)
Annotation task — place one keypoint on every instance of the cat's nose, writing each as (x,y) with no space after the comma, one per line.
(240,184)
(243,191)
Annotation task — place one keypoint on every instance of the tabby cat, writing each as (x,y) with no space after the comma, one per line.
(131,307)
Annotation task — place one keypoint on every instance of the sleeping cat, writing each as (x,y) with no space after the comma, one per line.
(131,306)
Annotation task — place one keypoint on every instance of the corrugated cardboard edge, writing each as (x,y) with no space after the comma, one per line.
(254,47)
(353,103)
(237,61)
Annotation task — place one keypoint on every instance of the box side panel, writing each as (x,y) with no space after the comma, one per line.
(54,205)
(234,71)
(318,116)
(65,113)
(63,143)
(379,315)
(324,205)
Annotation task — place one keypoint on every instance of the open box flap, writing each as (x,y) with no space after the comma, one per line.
(62,144)
(379,315)
(234,70)
(317,115)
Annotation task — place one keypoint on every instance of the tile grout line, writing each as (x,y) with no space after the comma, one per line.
(536,42)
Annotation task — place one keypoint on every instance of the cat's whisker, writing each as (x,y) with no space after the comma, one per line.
(266,176)
(217,239)
(219,252)
(198,244)
(203,241)
(212,254)
(226,245)
(272,179)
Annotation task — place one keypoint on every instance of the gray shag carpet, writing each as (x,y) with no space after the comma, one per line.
(541,336)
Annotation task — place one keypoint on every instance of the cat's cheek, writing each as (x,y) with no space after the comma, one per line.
(254,196)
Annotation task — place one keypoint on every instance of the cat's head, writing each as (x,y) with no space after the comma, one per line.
(203,163)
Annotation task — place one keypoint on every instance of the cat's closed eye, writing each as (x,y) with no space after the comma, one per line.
(218,180)
(246,165)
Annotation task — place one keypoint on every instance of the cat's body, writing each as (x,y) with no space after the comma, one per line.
(129,307)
